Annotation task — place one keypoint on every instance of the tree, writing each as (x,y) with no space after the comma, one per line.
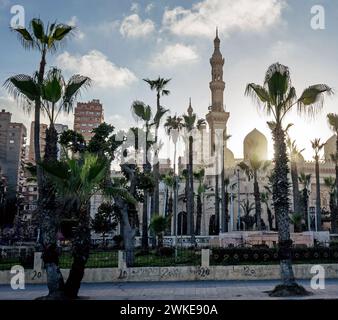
(278,97)
(317,146)
(330,183)
(144,113)
(159,85)
(169,181)
(45,40)
(159,225)
(199,176)
(305,180)
(173,127)
(333,123)
(295,155)
(189,124)
(265,198)
(224,201)
(252,169)
(248,219)
(104,220)
(76,180)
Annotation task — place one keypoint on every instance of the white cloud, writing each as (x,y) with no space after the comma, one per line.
(134,7)
(175,54)
(98,67)
(74,22)
(133,27)
(228,15)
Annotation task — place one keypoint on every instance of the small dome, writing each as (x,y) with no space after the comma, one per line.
(229,159)
(330,147)
(255,144)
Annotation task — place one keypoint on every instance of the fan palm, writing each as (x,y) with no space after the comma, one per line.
(252,169)
(305,180)
(295,155)
(189,124)
(159,225)
(330,183)
(278,97)
(317,146)
(44,39)
(76,181)
(56,96)
(158,85)
(333,123)
(143,112)
(173,127)
(199,176)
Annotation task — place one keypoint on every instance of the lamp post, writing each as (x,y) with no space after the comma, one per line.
(238,202)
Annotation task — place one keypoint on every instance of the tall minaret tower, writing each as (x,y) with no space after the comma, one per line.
(217,117)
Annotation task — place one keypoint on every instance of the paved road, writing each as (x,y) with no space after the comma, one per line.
(198,290)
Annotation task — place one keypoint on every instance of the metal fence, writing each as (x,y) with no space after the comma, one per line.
(11,256)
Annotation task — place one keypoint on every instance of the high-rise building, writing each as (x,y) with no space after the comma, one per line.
(12,152)
(87,117)
(31,154)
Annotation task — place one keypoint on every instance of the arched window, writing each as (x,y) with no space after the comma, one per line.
(212,226)
(182,224)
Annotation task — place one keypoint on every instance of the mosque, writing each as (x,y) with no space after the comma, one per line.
(239,187)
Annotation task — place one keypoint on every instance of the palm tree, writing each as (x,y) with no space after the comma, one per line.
(252,169)
(305,180)
(317,146)
(158,85)
(199,176)
(189,124)
(159,225)
(169,181)
(278,97)
(333,123)
(294,154)
(144,113)
(330,183)
(45,40)
(76,181)
(56,96)
(224,201)
(265,198)
(247,207)
(173,127)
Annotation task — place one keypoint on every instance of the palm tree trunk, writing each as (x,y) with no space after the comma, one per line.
(318,202)
(80,253)
(50,221)
(281,205)
(258,205)
(295,187)
(190,191)
(199,215)
(145,245)
(128,236)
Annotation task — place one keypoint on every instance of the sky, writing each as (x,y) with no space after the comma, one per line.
(118,43)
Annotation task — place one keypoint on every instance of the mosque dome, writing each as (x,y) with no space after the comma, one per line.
(229,159)
(330,147)
(255,144)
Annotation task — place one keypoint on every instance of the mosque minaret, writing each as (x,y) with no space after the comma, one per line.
(217,117)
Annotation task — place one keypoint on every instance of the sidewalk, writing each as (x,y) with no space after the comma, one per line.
(198,290)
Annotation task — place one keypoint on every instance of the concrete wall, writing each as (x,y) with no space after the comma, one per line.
(261,272)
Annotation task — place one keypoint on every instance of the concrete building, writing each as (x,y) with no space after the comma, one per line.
(87,117)
(12,152)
